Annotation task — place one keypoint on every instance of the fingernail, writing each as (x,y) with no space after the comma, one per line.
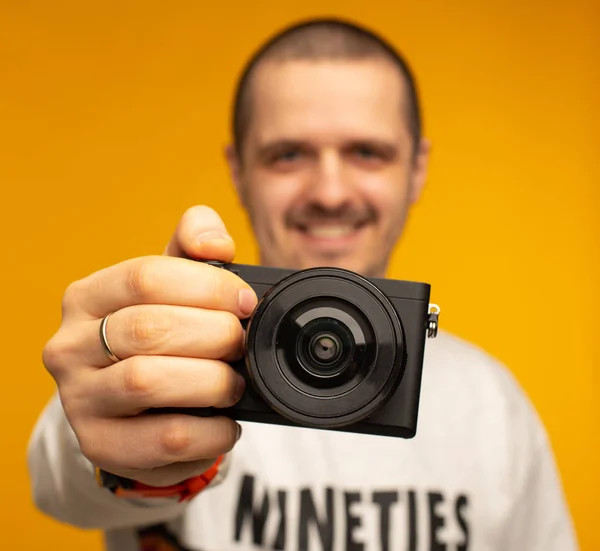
(214,236)
(247,301)
(240,387)
(239,432)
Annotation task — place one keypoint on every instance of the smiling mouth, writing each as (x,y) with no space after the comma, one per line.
(330,231)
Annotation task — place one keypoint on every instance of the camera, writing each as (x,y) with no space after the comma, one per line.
(327,348)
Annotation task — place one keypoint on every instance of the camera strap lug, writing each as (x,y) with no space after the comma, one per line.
(432,324)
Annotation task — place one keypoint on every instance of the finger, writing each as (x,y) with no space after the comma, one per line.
(153,441)
(164,330)
(142,382)
(201,234)
(159,280)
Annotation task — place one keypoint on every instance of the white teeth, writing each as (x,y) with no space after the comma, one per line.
(329,232)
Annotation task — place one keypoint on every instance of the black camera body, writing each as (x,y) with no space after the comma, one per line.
(329,349)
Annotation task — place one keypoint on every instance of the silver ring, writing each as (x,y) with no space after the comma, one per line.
(104,340)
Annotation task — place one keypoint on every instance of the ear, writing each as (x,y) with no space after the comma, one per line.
(234,164)
(421,165)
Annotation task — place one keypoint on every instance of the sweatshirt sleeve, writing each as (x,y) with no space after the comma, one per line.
(64,486)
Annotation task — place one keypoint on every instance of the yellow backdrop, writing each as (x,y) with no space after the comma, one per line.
(113,117)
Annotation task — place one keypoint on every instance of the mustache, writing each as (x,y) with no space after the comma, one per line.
(315,214)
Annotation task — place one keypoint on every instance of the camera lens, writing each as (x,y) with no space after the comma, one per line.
(325,348)
(325,345)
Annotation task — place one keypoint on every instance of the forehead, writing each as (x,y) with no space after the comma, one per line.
(327,101)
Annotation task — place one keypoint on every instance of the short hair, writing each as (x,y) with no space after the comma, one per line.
(323,38)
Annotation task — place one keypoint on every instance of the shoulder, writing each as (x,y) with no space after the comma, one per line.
(451,352)
(453,364)
(470,390)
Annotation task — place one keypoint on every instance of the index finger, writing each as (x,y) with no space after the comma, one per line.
(160,280)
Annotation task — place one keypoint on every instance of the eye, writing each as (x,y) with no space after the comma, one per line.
(365,152)
(372,155)
(283,155)
(289,155)
(289,158)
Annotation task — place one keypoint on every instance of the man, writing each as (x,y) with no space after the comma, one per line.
(327,158)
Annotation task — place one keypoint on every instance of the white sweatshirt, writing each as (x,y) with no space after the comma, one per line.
(479,476)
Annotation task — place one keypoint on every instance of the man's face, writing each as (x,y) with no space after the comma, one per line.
(328,171)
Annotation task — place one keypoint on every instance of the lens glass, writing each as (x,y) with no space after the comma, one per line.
(325,344)
(325,347)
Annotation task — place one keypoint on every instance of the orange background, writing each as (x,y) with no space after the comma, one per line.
(113,117)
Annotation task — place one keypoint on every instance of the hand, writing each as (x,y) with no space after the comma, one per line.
(174,327)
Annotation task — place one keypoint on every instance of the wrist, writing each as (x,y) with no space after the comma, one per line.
(184,491)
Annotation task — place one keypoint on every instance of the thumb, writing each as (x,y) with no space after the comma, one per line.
(201,234)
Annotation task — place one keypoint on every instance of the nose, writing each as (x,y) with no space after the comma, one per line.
(330,187)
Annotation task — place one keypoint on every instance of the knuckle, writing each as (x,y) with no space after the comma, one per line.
(142,279)
(149,330)
(51,355)
(54,354)
(70,297)
(176,438)
(136,379)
